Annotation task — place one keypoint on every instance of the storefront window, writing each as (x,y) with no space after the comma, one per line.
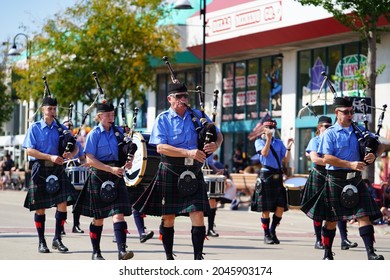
(338,63)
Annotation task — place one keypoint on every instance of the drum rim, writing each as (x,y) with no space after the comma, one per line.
(142,170)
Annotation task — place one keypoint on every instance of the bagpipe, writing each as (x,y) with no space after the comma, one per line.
(126,147)
(368,142)
(207,131)
(67,141)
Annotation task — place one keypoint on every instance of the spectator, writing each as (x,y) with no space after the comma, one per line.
(238,160)
(3,180)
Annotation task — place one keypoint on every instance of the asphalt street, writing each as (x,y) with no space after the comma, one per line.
(241,237)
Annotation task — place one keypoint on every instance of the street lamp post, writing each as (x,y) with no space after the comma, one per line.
(13,51)
(185,5)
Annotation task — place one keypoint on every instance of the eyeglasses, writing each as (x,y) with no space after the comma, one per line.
(347,112)
(326,125)
(180,96)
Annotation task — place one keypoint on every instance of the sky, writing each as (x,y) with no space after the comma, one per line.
(29,13)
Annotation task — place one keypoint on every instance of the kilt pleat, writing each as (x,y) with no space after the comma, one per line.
(313,202)
(325,205)
(273,193)
(38,198)
(89,203)
(161,197)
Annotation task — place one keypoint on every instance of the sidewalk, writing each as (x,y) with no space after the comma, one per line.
(241,237)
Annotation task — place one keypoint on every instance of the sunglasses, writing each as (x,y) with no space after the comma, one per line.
(180,96)
(347,112)
(326,125)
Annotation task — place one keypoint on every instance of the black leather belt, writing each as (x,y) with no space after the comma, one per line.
(46,163)
(111,163)
(180,161)
(320,168)
(345,174)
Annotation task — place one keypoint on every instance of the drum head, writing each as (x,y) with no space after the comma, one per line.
(134,175)
(295,182)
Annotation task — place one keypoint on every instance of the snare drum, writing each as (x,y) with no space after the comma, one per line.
(295,186)
(145,162)
(77,175)
(215,185)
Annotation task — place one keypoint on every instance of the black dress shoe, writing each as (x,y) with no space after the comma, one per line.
(346,244)
(212,233)
(97,256)
(318,245)
(328,255)
(268,240)
(63,232)
(42,248)
(58,245)
(77,229)
(170,257)
(125,255)
(146,236)
(375,257)
(275,239)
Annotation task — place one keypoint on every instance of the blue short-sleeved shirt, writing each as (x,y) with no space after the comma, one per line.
(341,143)
(313,144)
(81,152)
(174,130)
(270,160)
(101,144)
(43,137)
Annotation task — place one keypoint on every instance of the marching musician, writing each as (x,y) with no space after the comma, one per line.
(179,187)
(315,183)
(78,160)
(272,197)
(105,193)
(49,185)
(345,196)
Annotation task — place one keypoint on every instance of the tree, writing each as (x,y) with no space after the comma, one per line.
(6,103)
(114,38)
(368,17)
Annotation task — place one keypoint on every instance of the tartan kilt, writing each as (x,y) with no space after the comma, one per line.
(327,206)
(38,198)
(161,197)
(314,186)
(89,203)
(135,193)
(272,195)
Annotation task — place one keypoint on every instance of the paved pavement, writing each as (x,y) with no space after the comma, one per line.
(241,237)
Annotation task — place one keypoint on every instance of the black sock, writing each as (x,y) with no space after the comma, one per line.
(60,221)
(167,239)
(95,234)
(317,229)
(275,221)
(198,235)
(40,225)
(265,224)
(342,225)
(120,231)
(211,218)
(139,222)
(367,234)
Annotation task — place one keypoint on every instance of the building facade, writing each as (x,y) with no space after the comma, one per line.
(271,57)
